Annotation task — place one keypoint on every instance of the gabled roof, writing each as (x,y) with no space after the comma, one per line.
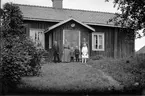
(65,21)
(40,13)
(142,50)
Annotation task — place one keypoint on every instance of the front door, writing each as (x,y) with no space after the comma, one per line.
(73,37)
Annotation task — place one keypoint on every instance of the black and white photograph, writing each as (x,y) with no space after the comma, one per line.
(72,47)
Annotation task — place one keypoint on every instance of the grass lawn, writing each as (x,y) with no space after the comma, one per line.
(69,77)
(101,76)
(114,69)
(129,71)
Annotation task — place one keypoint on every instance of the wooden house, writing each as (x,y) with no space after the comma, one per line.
(48,24)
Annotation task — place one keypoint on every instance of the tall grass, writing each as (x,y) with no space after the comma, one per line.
(129,71)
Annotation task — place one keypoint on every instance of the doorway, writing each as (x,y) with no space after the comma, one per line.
(73,38)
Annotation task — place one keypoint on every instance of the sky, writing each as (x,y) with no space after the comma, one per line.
(94,5)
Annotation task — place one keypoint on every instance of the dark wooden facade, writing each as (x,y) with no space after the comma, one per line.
(38,24)
(57,34)
(115,43)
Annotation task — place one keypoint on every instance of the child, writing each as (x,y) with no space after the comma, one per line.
(84,53)
(72,54)
(77,54)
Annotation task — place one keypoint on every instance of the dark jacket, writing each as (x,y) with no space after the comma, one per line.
(77,52)
(55,49)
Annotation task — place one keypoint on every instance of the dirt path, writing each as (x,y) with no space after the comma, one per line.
(71,76)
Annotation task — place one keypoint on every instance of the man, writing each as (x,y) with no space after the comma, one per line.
(56,52)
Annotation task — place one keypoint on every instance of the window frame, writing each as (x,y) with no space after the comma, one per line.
(38,32)
(93,41)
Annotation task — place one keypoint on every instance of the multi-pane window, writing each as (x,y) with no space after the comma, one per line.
(37,36)
(98,41)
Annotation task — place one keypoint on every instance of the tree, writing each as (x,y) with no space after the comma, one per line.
(132,14)
(19,55)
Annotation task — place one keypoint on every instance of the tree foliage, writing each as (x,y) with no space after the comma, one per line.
(19,54)
(132,14)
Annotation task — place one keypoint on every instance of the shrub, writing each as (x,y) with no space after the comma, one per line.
(14,60)
(35,55)
(19,59)
(97,57)
(136,66)
(19,55)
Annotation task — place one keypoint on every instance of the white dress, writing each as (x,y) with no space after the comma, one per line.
(85,52)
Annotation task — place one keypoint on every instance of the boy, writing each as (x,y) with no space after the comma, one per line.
(77,54)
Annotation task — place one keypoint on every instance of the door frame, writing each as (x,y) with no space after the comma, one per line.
(71,30)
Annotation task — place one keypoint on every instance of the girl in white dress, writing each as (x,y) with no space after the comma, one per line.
(85,54)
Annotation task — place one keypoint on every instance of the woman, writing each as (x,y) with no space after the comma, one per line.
(85,54)
(71,54)
(66,52)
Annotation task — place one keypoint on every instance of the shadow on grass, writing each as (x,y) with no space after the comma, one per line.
(88,92)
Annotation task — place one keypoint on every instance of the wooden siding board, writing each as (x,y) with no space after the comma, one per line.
(26,29)
(109,42)
(90,41)
(46,41)
(117,43)
(122,48)
(106,44)
(39,24)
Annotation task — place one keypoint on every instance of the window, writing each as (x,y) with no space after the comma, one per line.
(37,36)
(98,41)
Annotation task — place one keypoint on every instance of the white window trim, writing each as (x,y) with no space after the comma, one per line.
(37,31)
(98,33)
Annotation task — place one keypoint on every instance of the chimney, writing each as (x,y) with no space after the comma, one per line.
(57,3)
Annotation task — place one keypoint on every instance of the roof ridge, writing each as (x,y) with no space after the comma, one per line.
(73,18)
(64,8)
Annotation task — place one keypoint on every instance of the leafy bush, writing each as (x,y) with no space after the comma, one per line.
(136,66)
(13,63)
(19,55)
(35,55)
(97,57)
(19,59)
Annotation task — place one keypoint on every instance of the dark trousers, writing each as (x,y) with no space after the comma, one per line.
(71,59)
(56,57)
(77,57)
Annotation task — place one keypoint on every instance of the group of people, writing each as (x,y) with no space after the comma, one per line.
(70,54)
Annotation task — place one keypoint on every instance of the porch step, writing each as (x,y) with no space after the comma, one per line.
(48,57)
